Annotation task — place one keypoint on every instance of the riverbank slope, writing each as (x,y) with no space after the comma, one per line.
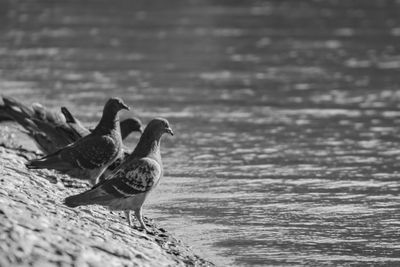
(38,230)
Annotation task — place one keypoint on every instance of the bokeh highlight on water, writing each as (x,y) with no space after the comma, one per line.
(286,114)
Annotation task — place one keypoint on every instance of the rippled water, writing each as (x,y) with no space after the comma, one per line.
(286,114)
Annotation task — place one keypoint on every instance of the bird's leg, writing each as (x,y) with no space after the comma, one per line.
(138,214)
(95,176)
(128,217)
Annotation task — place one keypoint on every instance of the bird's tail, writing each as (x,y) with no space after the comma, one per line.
(74,201)
(51,161)
(13,103)
(19,113)
(93,196)
(68,116)
(35,164)
(4,116)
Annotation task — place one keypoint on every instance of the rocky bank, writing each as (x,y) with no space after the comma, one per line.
(36,229)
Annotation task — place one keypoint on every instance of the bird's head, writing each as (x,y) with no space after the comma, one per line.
(115,104)
(130,125)
(158,127)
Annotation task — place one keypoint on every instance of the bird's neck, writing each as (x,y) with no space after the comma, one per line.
(148,146)
(109,122)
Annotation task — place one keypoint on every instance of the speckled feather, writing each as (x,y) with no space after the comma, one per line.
(139,177)
(128,186)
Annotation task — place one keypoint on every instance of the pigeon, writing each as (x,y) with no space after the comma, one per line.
(88,157)
(48,129)
(51,130)
(129,185)
(129,125)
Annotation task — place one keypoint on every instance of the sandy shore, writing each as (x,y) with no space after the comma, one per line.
(38,230)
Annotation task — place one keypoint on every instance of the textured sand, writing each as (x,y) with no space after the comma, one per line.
(36,229)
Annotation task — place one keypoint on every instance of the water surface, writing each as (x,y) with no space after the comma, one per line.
(286,114)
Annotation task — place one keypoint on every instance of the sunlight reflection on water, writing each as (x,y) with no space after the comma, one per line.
(285,114)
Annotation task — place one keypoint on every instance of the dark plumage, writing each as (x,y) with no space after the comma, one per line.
(51,130)
(48,129)
(74,123)
(88,157)
(129,125)
(128,186)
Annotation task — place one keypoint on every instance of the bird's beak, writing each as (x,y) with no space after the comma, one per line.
(124,106)
(169,130)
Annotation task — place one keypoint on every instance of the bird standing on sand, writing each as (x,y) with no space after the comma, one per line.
(128,186)
(88,157)
(51,130)
(127,126)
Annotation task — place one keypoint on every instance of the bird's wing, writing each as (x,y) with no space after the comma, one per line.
(44,143)
(52,131)
(44,114)
(118,162)
(90,152)
(137,177)
(140,177)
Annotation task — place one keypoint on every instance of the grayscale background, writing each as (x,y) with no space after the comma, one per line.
(286,114)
